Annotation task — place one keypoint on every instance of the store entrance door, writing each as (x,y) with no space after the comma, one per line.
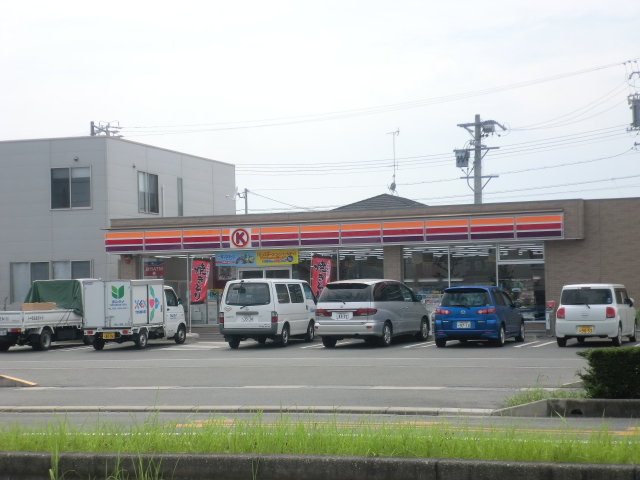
(269,272)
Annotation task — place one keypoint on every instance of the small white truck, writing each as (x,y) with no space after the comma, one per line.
(96,311)
(132,310)
(52,312)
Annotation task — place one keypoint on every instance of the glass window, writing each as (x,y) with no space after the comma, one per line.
(407,294)
(380,292)
(394,293)
(524,283)
(346,292)
(39,271)
(586,296)
(280,273)
(20,281)
(68,270)
(296,293)
(473,265)
(81,269)
(147,193)
(499,299)
(361,263)
(70,187)
(466,297)
(172,300)
(507,300)
(426,270)
(308,294)
(521,252)
(248,294)
(282,293)
(62,270)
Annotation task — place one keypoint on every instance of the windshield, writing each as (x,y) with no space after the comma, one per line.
(248,294)
(586,296)
(346,292)
(468,297)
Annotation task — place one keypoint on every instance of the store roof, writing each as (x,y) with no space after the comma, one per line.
(381,202)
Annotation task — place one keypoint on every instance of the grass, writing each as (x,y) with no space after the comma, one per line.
(362,437)
(534,394)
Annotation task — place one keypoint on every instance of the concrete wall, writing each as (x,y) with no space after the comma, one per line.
(608,253)
(32,232)
(36,465)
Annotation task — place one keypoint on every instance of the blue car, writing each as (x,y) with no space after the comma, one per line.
(477,313)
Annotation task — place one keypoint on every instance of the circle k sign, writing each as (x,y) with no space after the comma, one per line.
(240,238)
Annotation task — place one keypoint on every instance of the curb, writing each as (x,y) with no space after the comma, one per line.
(30,465)
(6,381)
(253,409)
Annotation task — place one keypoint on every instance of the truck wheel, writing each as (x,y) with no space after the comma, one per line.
(98,344)
(284,337)
(43,342)
(141,339)
(562,341)
(4,347)
(441,342)
(181,335)
(311,332)
(235,343)
(329,342)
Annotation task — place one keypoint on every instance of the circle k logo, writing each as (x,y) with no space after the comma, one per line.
(240,238)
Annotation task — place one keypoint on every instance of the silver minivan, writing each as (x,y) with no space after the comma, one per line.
(373,310)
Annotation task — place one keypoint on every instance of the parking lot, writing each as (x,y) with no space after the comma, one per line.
(207,372)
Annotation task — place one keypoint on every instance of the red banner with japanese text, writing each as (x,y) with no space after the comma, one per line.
(320,274)
(199,280)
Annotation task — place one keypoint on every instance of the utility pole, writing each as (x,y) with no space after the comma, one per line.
(246,200)
(392,187)
(106,129)
(480,129)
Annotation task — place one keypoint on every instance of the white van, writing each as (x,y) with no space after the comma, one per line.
(263,308)
(595,310)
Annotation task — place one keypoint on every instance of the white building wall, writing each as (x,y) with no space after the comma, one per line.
(30,231)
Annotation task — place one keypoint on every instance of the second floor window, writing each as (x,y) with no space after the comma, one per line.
(70,187)
(148,193)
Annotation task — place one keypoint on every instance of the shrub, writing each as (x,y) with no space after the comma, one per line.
(612,372)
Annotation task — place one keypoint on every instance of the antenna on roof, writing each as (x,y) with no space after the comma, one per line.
(392,187)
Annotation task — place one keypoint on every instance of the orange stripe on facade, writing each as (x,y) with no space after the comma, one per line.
(279,230)
(172,233)
(361,226)
(545,219)
(403,225)
(200,233)
(447,223)
(124,235)
(320,228)
(492,221)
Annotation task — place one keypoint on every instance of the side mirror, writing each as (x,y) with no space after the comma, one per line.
(179,301)
(630,301)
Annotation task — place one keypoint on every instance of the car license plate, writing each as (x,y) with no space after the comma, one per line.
(342,315)
(246,318)
(108,336)
(585,329)
(464,324)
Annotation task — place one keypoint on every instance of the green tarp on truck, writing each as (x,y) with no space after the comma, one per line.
(66,294)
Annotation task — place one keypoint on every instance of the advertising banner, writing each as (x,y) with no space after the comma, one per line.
(277,257)
(199,280)
(153,269)
(246,258)
(320,274)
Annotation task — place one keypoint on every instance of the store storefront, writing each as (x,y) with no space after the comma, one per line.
(530,249)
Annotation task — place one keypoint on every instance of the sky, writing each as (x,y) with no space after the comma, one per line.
(303,96)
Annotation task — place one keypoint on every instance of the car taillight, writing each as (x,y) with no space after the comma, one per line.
(611,312)
(442,311)
(486,311)
(125,332)
(363,312)
(274,317)
(89,332)
(322,312)
(560,313)
(221,318)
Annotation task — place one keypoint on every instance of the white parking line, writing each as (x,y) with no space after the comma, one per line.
(420,345)
(543,344)
(526,344)
(314,346)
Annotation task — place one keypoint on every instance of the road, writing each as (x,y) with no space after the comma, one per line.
(207,372)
